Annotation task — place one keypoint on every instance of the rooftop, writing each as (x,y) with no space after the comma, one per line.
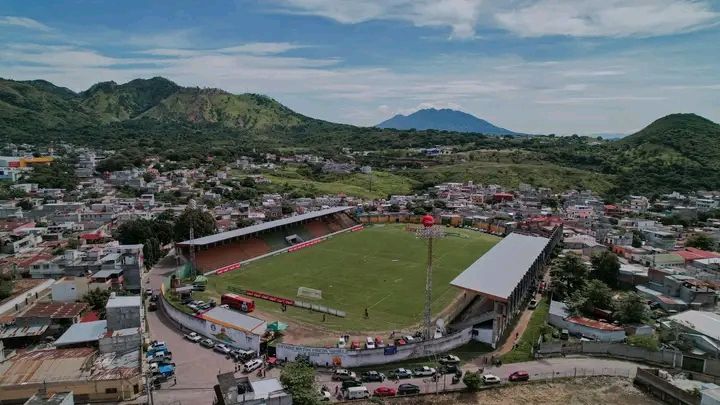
(56,398)
(706,323)
(83,333)
(235,320)
(218,237)
(120,301)
(499,271)
(591,323)
(55,310)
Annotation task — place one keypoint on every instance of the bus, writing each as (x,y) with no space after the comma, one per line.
(237,302)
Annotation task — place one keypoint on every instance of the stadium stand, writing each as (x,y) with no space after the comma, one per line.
(222,249)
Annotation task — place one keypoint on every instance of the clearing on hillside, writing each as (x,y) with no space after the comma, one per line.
(381,268)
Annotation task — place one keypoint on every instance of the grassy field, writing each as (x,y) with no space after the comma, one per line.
(381,268)
(523,351)
(377,185)
(511,174)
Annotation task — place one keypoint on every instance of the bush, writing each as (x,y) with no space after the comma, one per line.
(472,381)
(649,342)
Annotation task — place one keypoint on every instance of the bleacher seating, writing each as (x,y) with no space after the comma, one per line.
(270,241)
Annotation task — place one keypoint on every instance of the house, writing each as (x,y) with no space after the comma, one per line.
(703,328)
(561,318)
(70,289)
(232,390)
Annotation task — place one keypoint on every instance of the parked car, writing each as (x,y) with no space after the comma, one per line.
(564,334)
(355,345)
(533,304)
(343,374)
(449,359)
(400,342)
(158,343)
(424,371)
(373,376)
(408,389)
(252,365)
(193,307)
(369,343)
(325,396)
(449,369)
(205,306)
(152,307)
(357,393)
(401,373)
(154,297)
(409,339)
(519,376)
(221,348)
(489,379)
(193,337)
(186,300)
(379,342)
(242,355)
(226,306)
(354,382)
(384,392)
(341,343)
(207,343)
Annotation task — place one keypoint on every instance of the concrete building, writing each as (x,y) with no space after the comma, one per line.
(559,317)
(55,398)
(232,390)
(123,312)
(69,289)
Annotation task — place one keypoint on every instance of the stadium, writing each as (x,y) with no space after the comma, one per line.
(336,274)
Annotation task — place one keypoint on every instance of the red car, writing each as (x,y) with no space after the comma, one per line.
(355,345)
(519,376)
(385,392)
(400,342)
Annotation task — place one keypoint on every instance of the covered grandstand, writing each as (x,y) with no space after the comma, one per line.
(501,282)
(216,251)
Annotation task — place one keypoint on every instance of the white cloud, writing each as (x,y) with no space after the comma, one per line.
(526,18)
(23,22)
(252,48)
(612,18)
(461,16)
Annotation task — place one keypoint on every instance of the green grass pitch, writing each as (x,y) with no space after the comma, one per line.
(381,268)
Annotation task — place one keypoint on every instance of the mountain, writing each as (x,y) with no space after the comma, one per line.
(444,119)
(676,152)
(32,106)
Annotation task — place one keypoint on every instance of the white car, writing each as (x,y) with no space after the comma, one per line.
(221,348)
(226,306)
(193,337)
(252,365)
(424,371)
(409,339)
(342,374)
(341,343)
(369,343)
(449,359)
(490,379)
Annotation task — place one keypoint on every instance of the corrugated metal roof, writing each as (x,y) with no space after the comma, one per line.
(499,271)
(706,323)
(236,320)
(82,333)
(218,237)
(107,273)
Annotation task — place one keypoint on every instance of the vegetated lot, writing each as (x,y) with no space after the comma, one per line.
(596,390)
(523,351)
(381,268)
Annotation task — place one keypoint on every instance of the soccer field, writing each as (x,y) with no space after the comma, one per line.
(381,268)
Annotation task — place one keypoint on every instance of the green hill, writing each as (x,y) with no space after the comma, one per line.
(114,102)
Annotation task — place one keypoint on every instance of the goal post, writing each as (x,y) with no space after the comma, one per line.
(312,293)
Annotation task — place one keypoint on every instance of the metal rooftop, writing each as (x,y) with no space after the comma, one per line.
(498,272)
(83,333)
(55,310)
(235,320)
(218,237)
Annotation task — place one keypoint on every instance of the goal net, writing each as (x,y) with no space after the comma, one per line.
(306,292)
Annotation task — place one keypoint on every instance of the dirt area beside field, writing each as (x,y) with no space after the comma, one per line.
(580,391)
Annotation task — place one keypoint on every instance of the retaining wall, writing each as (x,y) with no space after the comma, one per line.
(232,337)
(357,358)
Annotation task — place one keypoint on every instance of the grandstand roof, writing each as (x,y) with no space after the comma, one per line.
(499,271)
(218,237)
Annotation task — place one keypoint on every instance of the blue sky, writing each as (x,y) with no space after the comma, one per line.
(539,66)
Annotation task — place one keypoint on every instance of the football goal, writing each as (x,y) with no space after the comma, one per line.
(306,292)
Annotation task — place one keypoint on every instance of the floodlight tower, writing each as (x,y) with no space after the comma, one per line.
(429,232)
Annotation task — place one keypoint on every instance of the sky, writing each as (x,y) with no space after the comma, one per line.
(534,66)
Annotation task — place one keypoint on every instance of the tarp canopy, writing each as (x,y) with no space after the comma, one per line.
(277,326)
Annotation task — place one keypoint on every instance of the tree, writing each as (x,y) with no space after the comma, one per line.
(152,234)
(606,267)
(6,287)
(701,241)
(148,177)
(298,378)
(472,381)
(419,211)
(631,309)
(203,224)
(244,222)
(594,294)
(97,299)
(569,274)
(25,205)
(637,240)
